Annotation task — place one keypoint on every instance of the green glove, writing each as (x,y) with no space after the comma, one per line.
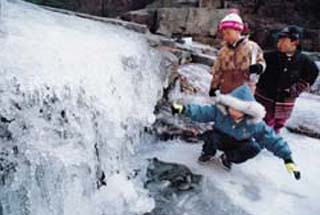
(177,108)
(292,168)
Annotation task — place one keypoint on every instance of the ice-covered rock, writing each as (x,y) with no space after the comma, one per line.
(75,96)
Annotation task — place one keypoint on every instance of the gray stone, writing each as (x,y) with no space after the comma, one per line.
(265,35)
(107,8)
(212,3)
(145,17)
(203,59)
(173,3)
(177,190)
(178,176)
(188,21)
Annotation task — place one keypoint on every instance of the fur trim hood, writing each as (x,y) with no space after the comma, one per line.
(242,100)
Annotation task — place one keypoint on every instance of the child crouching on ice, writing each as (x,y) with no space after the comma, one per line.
(238,129)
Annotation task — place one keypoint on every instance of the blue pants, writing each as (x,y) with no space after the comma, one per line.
(235,150)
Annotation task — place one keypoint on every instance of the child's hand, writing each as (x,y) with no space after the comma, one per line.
(177,108)
(283,94)
(292,168)
(213,92)
(256,69)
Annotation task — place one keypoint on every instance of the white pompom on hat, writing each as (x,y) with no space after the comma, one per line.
(233,21)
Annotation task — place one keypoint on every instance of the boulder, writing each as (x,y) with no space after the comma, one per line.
(144,16)
(188,21)
(212,3)
(109,8)
(93,7)
(203,59)
(173,3)
(113,8)
(178,177)
(267,17)
(265,35)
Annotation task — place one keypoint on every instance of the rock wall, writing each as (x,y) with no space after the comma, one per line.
(109,8)
(198,18)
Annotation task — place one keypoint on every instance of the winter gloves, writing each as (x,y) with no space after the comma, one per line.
(177,108)
(213,92)
(256,69)
(283,94)
(294,91)
(297,88)
(292,168)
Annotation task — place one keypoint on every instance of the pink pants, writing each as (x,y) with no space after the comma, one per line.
(275,123)
(277,113)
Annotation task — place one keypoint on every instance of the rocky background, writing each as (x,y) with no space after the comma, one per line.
(169,26)
(199,18)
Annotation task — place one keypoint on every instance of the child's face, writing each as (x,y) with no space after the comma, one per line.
(230,35)
(235,114)
(286,45)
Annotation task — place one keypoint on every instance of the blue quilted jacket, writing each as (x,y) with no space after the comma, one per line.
(250,127)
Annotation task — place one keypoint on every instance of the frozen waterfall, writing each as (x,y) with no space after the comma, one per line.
(75,95)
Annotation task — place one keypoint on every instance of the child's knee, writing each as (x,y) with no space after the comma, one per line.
(244,154)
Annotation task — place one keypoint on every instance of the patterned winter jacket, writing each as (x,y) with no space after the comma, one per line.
(232,66)
(251,128)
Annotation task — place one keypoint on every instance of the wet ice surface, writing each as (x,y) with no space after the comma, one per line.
(259,186)
(306,114)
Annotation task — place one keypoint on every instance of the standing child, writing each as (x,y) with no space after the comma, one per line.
(238,58)
(289,72)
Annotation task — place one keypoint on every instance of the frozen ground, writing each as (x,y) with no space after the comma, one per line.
(306,114)
(260,186)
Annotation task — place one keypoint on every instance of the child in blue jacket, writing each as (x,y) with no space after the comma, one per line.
(238,129)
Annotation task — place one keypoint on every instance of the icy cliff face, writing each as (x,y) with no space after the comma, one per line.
(75,96)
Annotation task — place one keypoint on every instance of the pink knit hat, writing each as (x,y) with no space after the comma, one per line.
(233,21)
